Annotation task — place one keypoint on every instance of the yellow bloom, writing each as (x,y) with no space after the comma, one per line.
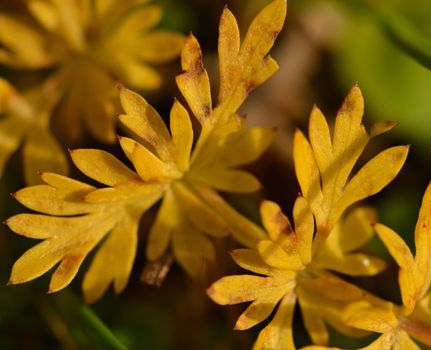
(25,122)
(91,44)
(166,168)
(296,259)
(399,323)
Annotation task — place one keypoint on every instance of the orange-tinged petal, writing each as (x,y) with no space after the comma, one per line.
(278,334)
(194,83)
(102,167)
(275,222)
(182,135)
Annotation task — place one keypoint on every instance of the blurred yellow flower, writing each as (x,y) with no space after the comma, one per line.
(296,260)
(167,167)
(26,118)
(91,45)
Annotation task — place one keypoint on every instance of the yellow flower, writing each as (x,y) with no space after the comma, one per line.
(399,323)
(91,44)
(166,167)
(296,259)
(25,122)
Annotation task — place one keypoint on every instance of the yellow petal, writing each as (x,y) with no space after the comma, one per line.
(150,167)
(245,147)
(243,230)
(192,250)
(65,185)
(113,261)
(356,264)
(126,192)
(374,175)
(313,321)
(182,135)
(274,255)
(304,229)
(137,21)
(226,179)
(404,342)
(202,215)
(354,231)
(194,83)
(42,152)
(69,248)
(274,221)
(259,310)
(423,244)
(252,64)
(228,49)
(44,12)
(382,127)
(136,73)
(320,139)
(25,46)
(48,200)
(306,168)
(102,167)
(249,259)
(145,122)
(278,334)
(363,315)
(167,220)
(160,46)
(43,226)
(239,289)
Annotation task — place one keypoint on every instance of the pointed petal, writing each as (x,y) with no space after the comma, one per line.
(194,83)
(113,261)
(250,260)
(226,179)
(182,135)
(102,167)
(278,334)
